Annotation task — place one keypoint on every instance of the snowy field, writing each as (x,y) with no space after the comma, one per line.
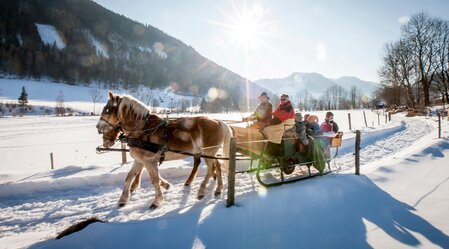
(399,201)
(45,92)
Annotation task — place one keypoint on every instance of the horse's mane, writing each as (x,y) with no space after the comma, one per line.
(130,104)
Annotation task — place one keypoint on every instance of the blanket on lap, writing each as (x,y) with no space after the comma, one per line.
(274,133)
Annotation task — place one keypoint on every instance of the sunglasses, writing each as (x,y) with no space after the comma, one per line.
(282,99)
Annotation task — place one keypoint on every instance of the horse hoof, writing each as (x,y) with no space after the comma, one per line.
(186,184)
(121,205)
(200,197)
(153,207)
(165,186)
(217,193)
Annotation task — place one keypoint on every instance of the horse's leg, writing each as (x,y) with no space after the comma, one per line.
(196,164)
(163,183)
(135,170)
(218,175)
(153,170)
(136,183)
(214,170)
(210,168)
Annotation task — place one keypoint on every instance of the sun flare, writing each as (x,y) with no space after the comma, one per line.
(245,27)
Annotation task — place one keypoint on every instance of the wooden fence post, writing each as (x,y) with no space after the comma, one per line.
(51,160)
(357,152)
(123,153)
(364,117)
(231,173)
(378,118)
(349,118)
(439,125)
(389,116)
(386,118)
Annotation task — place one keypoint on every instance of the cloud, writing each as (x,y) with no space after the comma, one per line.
(321,52)
(403,20)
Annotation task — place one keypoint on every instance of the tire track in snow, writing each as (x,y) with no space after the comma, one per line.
(389,145)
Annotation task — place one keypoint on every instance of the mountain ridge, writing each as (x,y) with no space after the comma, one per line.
(314,83)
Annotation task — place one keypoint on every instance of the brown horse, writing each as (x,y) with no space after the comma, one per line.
(193,135)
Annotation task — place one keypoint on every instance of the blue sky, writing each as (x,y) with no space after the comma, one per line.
(272,39)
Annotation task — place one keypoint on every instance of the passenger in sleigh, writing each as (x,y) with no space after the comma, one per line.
(300,130)
(283,119)
(309,147)
(261,117)
(329,129)
(312,126)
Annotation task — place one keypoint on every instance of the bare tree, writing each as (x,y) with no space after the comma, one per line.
(398,70)
(95,95)
(60,109)
(420,34)
(154,105)
(303,97)
(325,100)
(441,70)
(355,95)
(185,103)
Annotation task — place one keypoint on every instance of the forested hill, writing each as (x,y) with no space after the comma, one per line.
(79,41)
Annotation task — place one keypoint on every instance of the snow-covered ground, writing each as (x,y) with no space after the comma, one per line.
(400,201)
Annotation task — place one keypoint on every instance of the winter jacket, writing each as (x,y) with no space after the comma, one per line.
(329,126)
(326,127)
(334,126)
(313,129)
(263,113)
(300,130)
(284,111)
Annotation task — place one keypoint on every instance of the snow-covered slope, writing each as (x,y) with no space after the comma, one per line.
(314,83)
(50,35)
(44,93)
(99,47)
(364,86)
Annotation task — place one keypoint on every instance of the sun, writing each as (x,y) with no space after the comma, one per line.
(245,27)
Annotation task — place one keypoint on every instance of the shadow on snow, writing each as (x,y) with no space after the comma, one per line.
(291,216)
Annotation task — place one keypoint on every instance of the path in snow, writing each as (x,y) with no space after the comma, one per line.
(45,207)
(414,130)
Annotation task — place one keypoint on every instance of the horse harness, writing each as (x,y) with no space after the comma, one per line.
(148,145)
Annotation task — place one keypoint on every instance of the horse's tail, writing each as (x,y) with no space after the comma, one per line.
(227,134)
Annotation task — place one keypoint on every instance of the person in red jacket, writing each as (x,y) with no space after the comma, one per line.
(284,110)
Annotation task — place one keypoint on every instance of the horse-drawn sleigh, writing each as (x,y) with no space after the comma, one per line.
(152,140)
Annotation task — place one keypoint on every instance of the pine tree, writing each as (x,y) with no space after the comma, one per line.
(23,100)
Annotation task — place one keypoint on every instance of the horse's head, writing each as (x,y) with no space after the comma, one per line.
(109,124)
